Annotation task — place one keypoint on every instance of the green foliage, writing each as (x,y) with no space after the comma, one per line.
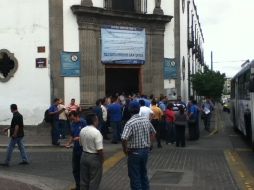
(208,83)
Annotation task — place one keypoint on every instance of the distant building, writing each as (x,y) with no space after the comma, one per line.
(227,86)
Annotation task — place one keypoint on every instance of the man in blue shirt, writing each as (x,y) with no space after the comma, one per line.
(115,116)
(193,119)
(207,109)
(54,112)
(76,126)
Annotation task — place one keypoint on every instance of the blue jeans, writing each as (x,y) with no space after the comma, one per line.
(137,161)
(11,147)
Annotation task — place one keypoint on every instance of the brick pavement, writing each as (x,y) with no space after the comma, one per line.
(201,165)
(9,184)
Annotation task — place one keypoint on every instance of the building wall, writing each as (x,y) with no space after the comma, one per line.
(169,43)
(183,50)
(24,27)
(71,44)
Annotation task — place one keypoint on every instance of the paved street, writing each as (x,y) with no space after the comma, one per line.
(219,160)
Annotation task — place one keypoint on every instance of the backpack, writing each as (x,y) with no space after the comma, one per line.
(48,118)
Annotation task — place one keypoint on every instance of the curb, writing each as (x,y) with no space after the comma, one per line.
(4,146)
(242,176)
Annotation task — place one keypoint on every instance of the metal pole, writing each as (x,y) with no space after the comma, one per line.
(211,60)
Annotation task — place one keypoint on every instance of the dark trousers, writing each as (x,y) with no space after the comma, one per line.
(180,135)
(117,130)
(62,127)
(170,129)
(207,120)
(192,130)
(137,171)
(197,129)
(90,171)
(76,156)
(104,131)
(54,132)
(157,127)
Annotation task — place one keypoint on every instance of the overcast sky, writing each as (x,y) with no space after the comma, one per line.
(228,28)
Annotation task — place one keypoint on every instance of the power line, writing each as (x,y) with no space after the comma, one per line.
(230,61)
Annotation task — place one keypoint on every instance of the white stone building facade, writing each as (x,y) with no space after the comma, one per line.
(40,30)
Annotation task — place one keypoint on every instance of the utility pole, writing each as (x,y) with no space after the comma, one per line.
(211,60)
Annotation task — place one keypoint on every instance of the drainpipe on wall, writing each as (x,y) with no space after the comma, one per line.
(177,46)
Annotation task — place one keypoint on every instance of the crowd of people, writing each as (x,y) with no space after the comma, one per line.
(166,119)
(134,121)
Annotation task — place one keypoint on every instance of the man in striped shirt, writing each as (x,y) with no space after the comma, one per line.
(136,144)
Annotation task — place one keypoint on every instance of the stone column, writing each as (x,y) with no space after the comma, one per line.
(56,46)
(153,70)
(89,62)
(157,10)
(147,79)
(87,3)
(137,6)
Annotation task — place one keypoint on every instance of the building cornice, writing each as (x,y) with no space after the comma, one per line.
(95,12)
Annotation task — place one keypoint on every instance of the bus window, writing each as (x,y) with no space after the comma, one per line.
(251,85)
(244,86)
(232,89)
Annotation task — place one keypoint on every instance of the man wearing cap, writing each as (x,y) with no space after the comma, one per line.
(136,144)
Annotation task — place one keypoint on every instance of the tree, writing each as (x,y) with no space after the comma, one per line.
(208,83)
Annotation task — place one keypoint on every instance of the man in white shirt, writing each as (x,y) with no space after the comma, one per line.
(104,129)
(145,111)
(91,163)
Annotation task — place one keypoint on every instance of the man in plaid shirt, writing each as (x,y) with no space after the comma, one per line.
(136,144)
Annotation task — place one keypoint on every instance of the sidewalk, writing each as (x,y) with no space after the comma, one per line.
(201,165)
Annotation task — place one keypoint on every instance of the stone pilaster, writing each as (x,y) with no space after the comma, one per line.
(137,6)
(56,46)
(89,56)
(147,79)
(157,60)
(153,68)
